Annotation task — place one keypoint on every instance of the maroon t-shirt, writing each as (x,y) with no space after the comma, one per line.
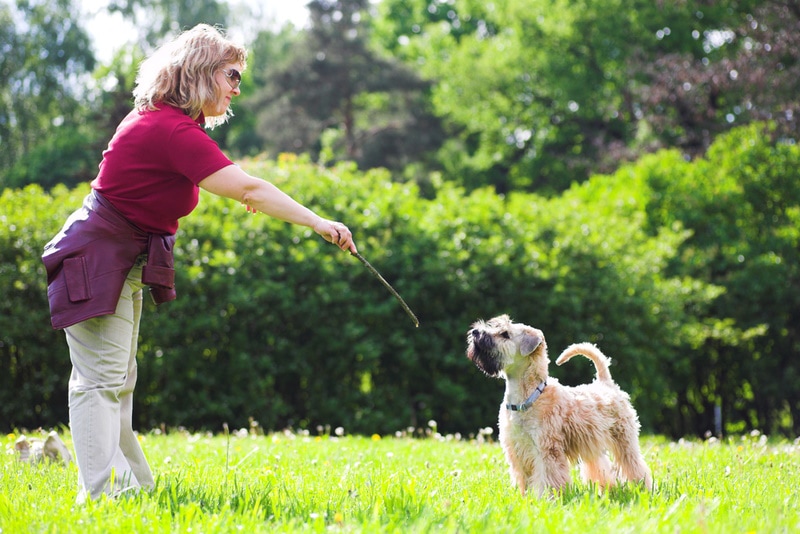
(153,164)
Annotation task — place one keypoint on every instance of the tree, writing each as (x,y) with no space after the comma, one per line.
(159,18)
(338,98)
(399,20)
(268,51)
(44,62)
(747,69)
(538,94)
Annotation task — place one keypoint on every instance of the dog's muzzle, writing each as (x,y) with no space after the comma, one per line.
(481,350)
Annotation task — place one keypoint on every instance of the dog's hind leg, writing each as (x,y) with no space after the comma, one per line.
(598,470)
(634,468)
(628,457)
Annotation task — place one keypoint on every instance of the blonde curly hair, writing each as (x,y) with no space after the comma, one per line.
(181,72)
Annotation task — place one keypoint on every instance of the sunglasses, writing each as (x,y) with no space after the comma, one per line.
(234,77)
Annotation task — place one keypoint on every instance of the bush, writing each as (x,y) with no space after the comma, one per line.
(33,357)
(273,324)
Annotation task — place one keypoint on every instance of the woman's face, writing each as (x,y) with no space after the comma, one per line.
(227,79)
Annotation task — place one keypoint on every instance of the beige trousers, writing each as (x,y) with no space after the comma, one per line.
(103,354)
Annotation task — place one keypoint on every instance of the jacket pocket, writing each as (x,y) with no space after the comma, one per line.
(76,278)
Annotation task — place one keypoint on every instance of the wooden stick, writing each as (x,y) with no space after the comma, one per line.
(388,286)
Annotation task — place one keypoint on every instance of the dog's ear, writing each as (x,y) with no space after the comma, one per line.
(529,343)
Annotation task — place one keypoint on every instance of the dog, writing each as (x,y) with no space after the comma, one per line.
(545,426)
(35,450)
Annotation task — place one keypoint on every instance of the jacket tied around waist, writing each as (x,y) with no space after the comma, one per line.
(90,257)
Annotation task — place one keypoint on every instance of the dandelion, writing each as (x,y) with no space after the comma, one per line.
(287,157)
(338,518)
(376,437)
(339,431)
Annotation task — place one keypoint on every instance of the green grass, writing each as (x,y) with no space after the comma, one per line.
(288,482)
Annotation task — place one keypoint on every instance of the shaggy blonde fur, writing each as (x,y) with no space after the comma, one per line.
(565,424)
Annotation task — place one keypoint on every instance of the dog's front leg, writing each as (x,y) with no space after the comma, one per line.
(551,469)
(519,477)
(516,468)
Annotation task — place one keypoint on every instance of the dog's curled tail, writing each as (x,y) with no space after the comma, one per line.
(600,360)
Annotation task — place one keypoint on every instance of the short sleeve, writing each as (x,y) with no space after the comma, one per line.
(194,154)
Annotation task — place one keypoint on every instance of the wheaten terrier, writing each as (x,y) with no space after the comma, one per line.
(545,426)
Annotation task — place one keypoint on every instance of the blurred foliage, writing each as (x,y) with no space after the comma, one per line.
(267,52)
(156,19)
(336,99)
(530,95)
(44,53)
(681,272)
(743,68)
(540,94)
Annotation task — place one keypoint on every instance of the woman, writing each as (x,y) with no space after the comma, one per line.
(122,238)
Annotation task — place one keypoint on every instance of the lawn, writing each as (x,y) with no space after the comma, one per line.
(295,481)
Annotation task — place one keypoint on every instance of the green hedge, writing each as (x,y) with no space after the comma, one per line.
(272,324)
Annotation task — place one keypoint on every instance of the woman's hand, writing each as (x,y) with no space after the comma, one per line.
(336,233)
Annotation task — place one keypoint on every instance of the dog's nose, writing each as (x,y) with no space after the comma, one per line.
(475,333)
